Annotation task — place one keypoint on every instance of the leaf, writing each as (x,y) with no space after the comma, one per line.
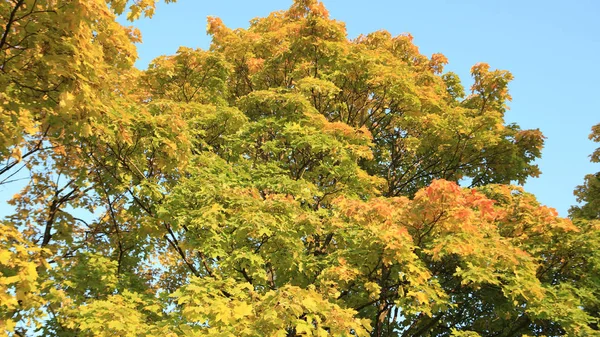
(242,310)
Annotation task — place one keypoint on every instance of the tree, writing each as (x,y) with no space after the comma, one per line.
(286,182)
(586,216)
(589,192)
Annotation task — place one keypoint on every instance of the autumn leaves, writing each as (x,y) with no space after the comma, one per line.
(286,182)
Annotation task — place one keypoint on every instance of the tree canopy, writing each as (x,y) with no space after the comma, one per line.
(288,181)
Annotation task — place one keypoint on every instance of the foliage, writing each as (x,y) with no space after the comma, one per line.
(286,182)
(589,192)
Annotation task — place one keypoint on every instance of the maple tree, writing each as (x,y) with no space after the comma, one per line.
(288,181)
(589,192)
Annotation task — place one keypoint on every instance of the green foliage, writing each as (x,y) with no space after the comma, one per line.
(286,182)
(589,193)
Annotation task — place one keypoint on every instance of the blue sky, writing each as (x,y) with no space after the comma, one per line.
(551,47)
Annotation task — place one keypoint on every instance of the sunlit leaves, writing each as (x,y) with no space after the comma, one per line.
(206,310)
(589,192)
(20,284)
(286,182)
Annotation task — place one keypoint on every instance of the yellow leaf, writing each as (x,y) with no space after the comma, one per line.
(303,327)
(9,280)
(9,325)
(310,304)
(5,257)
(31,272)
(16,154)
(242,310)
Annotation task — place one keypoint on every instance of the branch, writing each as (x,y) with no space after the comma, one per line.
(11,20)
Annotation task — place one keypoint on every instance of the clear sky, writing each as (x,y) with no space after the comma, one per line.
(551,47)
